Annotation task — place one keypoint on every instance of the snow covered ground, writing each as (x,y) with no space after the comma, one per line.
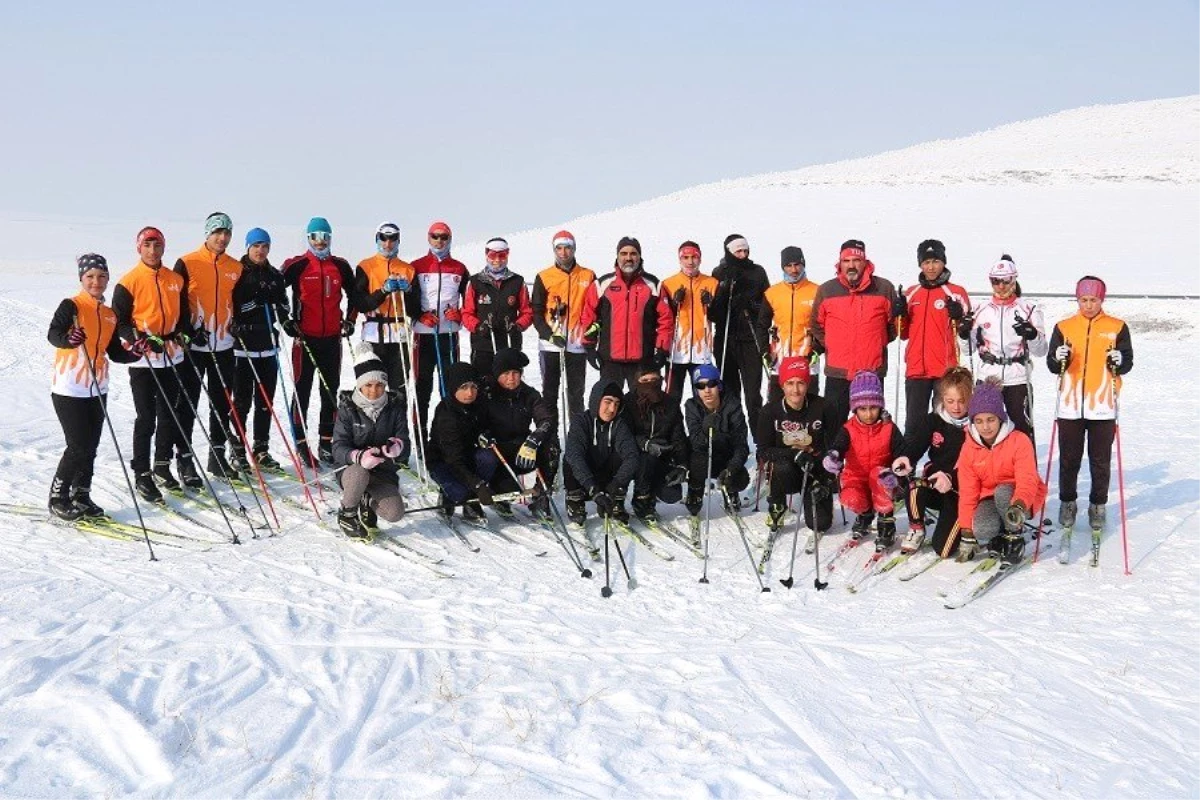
(301,665)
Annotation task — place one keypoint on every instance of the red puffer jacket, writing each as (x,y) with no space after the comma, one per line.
(854,324)
(867,447)
(981,469)
(633,319)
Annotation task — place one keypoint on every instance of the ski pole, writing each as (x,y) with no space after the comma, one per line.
(671,357)
(296,414)
(899,330)
(241,429)
(113,433)
(1037,542)
(787,582)
(746,543)
(1120,466)
(235,415)
(629,579)
(573,553)
(764,357)
(606,590)
(728,317)
(707,502)
(410,393)
(287,443)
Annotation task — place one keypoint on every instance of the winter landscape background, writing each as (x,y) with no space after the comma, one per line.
(301,665)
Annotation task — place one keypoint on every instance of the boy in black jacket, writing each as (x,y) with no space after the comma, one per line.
(601,457)
(713,415)
(370,436)
(793,435)
(658,431)
(525,426)
(459,449)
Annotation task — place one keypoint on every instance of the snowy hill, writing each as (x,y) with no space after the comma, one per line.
(301,665)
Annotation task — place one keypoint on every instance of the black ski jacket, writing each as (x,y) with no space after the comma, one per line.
(817,418)
(454,437)
(260,290)
(592,441)
(354,430)
(730,433)
(514,416)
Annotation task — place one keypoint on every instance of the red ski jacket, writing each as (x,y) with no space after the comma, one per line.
(633,319)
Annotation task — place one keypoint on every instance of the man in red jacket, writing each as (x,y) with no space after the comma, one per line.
(927,314)
(626,324)
(435,303)
(852,323)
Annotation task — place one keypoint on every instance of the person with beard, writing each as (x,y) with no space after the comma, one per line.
(601,457)
(711,416)
(435,304)
(210,274)
(657,426)
(383,281)
(525,426)
(927,315)
(626,324)
(558,300)
(852,323)
(783,321)
(689,293)
(794,434)
(370,439)
(496,307)
(735,310)
(459,451)
(259,304)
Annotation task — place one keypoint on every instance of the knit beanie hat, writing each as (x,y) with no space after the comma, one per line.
(89,261)
(497,246)
(865,390)
(257,236)
(217,221)
(564,239)
(1090,286)
(318,225)
(1004,270)
(611,389)
(987,399)
(797,367)
(439,227)
(387,230)
(629,241)
(367,366)
(458,373)
(852,248)
(791,255)
(931,248)
(508,359)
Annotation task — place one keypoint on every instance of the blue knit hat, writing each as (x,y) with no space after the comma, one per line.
(257,236)
(318,225)
(866,390)
(707,372)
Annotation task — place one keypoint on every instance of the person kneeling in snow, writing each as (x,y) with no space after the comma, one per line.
(525,425)
(713,417)
(658,431)
(998,484)
(370,437)
(601,457)
(460,446)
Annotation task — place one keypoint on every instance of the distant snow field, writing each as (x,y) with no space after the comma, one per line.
(302,665)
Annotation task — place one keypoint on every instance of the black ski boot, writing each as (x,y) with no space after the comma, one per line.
(503,508)
(732,502)
(694,502)
(862,525)
(366,513)
(262,454)
(1097,516)
(325,451)
(447,506)
(351,525)
(473,511)
(303,454)
(218,466)
(146,488)
(619,513)
(1011,547)
(643,508)
(885,533)
(539,507)
(81,498)
(162,471)
(238,460)
(775,514)
(576,508)
(60,502)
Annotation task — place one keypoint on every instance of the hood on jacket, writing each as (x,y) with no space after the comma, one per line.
(457,374)
(600,391)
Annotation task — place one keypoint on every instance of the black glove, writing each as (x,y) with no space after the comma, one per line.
(558,340)
(347,328)
(726,479)
(819,492)
(900,306)
(484,493)
(1015,516)
(593,357)
(1024,329)
(965,325)
(676,475)
(656,448)
(157,345)
(705,297)
(604,504)
(802,459)
(197,338)
(237,329)
(291,328)
(954,309)
(485,441)
(661,357)
(484,326)
(818,349)
(677,298)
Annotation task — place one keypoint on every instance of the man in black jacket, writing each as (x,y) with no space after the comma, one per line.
(713,416)
(525,426)
(601,457)
(459,450)
(658,431)
(734,312)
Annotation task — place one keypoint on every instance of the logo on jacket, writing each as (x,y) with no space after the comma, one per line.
(937,440)
(939,304)
(512,301)
(485,300)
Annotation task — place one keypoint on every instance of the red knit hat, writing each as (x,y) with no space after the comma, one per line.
(564,239)
(794,367)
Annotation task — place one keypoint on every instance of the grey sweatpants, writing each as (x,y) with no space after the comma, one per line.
(989,514)
(383,489)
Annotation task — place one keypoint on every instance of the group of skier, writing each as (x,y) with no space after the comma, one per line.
(214,322)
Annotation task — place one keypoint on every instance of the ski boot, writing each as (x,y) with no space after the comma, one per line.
(366,513)
(262,454)
(1097,515)
(1011,547)
(60,503)
(913,540)
(188,475)
(539,507)
(473,511)
(144,485)
(1067,511)
(862,525)
(503,508)
(446,505)
(162,471)
(731,501)
(619,513)
(238,460)
(325,451)
(643,509)
(775,514)
(218,465)
(885,533)
(81,498)
(351,524)
(576,508)
(304,454)
(694,502)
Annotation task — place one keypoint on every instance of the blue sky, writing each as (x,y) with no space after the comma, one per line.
(499,117)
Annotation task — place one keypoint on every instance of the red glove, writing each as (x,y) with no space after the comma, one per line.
(452,315)
(429,319)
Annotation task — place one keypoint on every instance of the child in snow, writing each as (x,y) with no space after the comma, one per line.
(82,330)
(941,435)
(370,438)
(1094,349)
(460,445)
(862,453)
(998,483)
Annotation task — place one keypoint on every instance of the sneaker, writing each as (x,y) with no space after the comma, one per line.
(576,508)
(473,511)
(351,524)
(539,507)
(885,533)
(370,519)
(775,514)
(60,503)
(643,508)
(1067,511)
(218,465)
(862,525)
(694,502)
(146,488)
(1097,515)
(325,451)
(1011,547)
(503,508)
(913,540)
(81,498)
(162,471)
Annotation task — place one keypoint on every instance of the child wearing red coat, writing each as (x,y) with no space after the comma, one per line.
(862,450)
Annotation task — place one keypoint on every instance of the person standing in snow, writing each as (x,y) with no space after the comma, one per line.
(83,332)
(783,322)
(741,285)
(436,307)
(1089,351)
(852,323)
(382,282)
(1008,332)
(689,293)
(930,311)
(558,299)
(496,308)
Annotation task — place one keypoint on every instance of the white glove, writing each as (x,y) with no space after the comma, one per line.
(941,482)
(1063,353)
(902,466)
(1115,358)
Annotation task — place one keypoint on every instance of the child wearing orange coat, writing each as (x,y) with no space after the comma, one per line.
(998,483)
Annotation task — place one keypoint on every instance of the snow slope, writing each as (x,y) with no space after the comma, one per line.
(301,665)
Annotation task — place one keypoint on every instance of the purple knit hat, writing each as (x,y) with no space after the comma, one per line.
(866,390)
(987,399)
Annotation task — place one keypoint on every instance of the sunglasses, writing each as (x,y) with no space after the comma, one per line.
(318,237)
(392,237)
(439,237)
(1001,281)
(702,385)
